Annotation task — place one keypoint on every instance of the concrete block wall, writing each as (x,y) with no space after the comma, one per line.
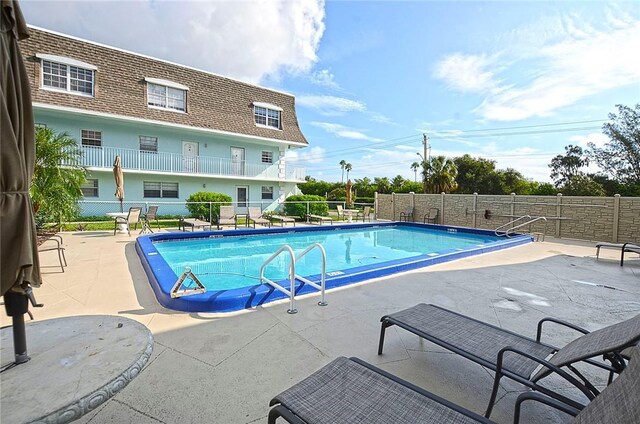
(612,219)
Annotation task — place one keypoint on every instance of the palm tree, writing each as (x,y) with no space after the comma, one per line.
(57,176)
(415,166)
(348,167)
(440,175)
(343,164)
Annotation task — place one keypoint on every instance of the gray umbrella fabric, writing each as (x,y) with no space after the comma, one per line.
(19,264)
(119,177)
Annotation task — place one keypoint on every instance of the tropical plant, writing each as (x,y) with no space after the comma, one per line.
(382,185)
(415,166)
(565,167)
(297,205)
(57,177)
(343,164)
(348,167)
(198,204)
(440,175)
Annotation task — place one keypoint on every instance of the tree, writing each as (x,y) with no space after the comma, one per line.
(397,183)
(364,187)
(563,168)
(477,175)
(348,167)
(440,175)
(415,166)
(343,164)
(57,177)
(620,156)
(383,185)
(583,185)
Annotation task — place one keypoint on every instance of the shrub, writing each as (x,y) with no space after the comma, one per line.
(202,209)
(319,207)
(365,200)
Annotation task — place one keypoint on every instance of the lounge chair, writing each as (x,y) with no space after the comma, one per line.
(353,391)
(227,216)
(365,214)
(45,246)
(515,356)
(283,219)
(628,247)
(407,215)
(255,216)
(151,215)
(340,211)
(194,224)
(319,218)
(133,217)
(431,216)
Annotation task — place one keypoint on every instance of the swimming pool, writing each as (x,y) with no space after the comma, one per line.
(228,262)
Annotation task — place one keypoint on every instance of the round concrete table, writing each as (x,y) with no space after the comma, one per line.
(122,227)
(77,363)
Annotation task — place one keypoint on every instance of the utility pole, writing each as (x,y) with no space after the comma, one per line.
(425,145)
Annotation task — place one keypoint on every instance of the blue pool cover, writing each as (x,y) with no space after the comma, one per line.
(162,278)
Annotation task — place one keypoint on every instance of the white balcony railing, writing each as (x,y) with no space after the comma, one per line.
(175,163)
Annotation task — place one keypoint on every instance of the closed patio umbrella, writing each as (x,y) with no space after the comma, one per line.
(20,267)
(119,177)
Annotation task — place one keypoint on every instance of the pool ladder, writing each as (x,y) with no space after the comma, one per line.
(511,226)
(291,292)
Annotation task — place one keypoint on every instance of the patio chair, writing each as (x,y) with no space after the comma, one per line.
(255,216)
(516,356)
(407,215)
(151,215)
(194,224)
(133,217)
(227,216)
(340,210)
(431,216)
(628,247)
(353,391)
(365,214)
(57,239)
(283,219)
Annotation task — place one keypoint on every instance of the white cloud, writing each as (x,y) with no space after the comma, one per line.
(307,155)
(330,105)
(343,132)
(583,141)
(569,58)
(381,119)
(247,40)
(325,78)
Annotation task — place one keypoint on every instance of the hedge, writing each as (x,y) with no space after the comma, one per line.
(201,209)
(319,207)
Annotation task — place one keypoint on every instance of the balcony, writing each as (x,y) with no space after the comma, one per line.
(175,163)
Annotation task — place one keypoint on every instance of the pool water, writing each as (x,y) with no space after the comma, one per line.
(233,262)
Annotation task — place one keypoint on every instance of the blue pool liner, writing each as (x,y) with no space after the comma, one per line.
(162,278)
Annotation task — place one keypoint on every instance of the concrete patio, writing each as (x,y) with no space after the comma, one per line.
(225,368)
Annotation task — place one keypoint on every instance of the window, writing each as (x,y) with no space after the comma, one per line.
(267,193)
(65,77)
(90,188)
(267,157)
(267,115)
(148,144)
(162,190)
(91,138)
(166,97)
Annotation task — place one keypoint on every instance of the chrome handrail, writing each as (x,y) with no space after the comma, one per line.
(510,230)
(292,279)
(320,287)
(510,223)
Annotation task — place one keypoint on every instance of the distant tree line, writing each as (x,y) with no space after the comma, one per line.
(619,160)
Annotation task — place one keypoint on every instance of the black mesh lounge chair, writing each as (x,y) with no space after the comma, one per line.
(628,247)
(516,356)
(353,391)
(407,215)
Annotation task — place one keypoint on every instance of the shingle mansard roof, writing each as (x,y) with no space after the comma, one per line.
(213,102)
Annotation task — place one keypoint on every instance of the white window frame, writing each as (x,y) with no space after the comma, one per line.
(268,155)
(267,111)
(263,192)
(170,88)
(68,64)
(148,138)
(162,189)
(94,186)
(91,136)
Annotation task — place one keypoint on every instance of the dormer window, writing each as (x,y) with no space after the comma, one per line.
(66,74)
(164,94)
(267,115)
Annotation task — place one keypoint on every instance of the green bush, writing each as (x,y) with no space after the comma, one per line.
(364,200)
(319,207)
(201,209)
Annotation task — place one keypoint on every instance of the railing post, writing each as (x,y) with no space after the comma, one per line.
(210,213)
(558,214)
(616,216)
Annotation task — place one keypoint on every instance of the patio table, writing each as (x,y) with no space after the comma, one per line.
(349,214)
(122,227)
(77,363)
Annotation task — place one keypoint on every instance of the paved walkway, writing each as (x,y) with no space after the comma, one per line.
(225,368)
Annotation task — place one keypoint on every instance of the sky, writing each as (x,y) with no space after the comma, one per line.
(514,82)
